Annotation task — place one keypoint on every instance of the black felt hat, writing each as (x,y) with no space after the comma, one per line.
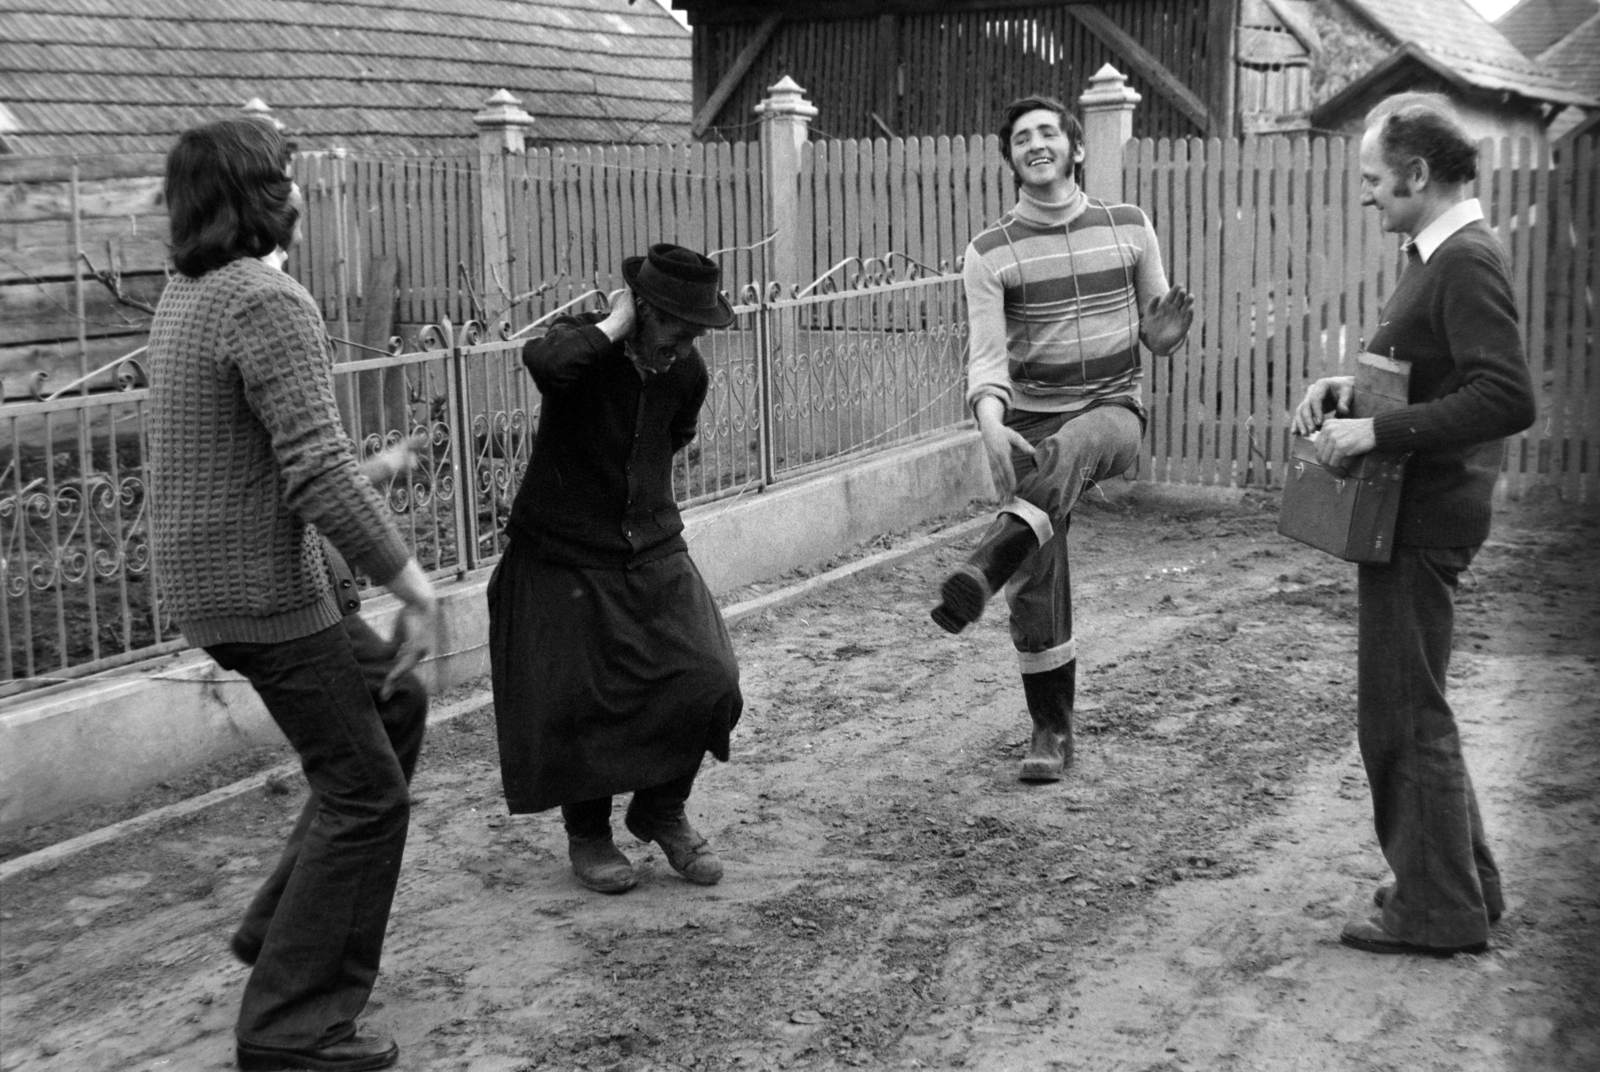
(681,283)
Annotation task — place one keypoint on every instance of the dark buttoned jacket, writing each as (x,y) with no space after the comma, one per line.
(598,490)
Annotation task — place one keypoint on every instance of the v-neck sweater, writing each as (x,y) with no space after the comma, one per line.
(1453,317)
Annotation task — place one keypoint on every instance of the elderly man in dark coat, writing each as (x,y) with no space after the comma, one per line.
(612,667)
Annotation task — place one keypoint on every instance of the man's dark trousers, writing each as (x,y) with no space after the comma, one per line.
(320,917)
(1446,881)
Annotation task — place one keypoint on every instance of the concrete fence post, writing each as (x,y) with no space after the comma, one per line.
(1107,106)
(502,131)
(786,117)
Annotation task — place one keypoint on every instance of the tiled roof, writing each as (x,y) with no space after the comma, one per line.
(400,75)
(1576,57)
(1456,39)
(1535,25)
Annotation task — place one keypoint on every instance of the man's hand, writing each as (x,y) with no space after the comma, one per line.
(1343,439)
(998,443)
(619,322)
(416,629)
(1167,320)
(396,459)
(1329,393)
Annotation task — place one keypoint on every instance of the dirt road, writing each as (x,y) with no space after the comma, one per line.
(895,899)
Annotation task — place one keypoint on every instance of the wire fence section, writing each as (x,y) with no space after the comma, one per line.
(862,362)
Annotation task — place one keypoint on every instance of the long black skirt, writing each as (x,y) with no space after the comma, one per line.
(605,681)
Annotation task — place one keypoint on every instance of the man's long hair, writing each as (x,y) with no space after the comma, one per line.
(228,196)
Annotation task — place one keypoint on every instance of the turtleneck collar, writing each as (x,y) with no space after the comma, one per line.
(1050,213)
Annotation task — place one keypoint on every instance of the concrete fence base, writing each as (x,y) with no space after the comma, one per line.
(111,735)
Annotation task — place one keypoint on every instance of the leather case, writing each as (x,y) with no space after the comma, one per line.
(1350,513)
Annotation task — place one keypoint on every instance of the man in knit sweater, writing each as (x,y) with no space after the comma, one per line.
(1060,295)
(1451,316)
(250,471)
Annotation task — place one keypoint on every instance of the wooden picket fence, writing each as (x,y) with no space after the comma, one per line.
(1290,272)
(1268,232)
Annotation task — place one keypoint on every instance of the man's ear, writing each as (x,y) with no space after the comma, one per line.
(1419,174)
(1077,153)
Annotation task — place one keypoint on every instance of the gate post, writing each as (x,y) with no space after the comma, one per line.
(502,126)
(785,121)
(1107,106)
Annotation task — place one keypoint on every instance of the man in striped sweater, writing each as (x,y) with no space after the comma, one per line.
(1061,293)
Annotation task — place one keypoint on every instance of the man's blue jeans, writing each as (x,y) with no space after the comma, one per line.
(1426,814)
(320,917)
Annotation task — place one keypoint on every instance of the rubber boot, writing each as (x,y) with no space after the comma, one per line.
(1004,548)
(1050,697)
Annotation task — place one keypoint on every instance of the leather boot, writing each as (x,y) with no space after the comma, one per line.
(1050,697)
(1005,546)
(600,865)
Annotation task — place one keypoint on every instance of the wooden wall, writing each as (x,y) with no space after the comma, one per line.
(952,73)
(122,225)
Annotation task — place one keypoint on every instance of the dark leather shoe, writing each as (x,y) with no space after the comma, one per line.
(370,1047)
(244,950)
(600,865)
(1369,936)
(1380,897)
(687,852)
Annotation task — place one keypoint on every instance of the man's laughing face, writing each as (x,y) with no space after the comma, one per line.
(1041,153)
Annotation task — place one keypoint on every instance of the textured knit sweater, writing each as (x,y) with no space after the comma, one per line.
(1053,299)
(1454,319)
(247,454)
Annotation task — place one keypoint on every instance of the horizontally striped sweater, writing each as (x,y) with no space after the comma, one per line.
(248,452)
(1053,299)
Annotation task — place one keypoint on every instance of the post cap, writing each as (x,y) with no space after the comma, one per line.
(786,97)
(1108,88)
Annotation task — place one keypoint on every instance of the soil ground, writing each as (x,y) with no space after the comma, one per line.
(896,899)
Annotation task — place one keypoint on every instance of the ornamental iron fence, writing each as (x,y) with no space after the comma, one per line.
(864,360)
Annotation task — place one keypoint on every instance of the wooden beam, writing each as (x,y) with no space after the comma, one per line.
(735,74)
(1222,37)
(819,10)
(1145,65)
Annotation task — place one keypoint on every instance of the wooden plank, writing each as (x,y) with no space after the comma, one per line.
(696,190)
(805,239)
(1229,246)
(734,75)
(1260,325)
(960,227)
(1583,481)
(912,241)
(1156,196)
(1208,309)
(1295,281)
(42,311)
(114,198)
(91,167)
(44,250)
(1538,297)
(539,226)
(1283,267)
(1144,64)
(1195,418)
(945,213)
(1520,233)
(1138,186)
